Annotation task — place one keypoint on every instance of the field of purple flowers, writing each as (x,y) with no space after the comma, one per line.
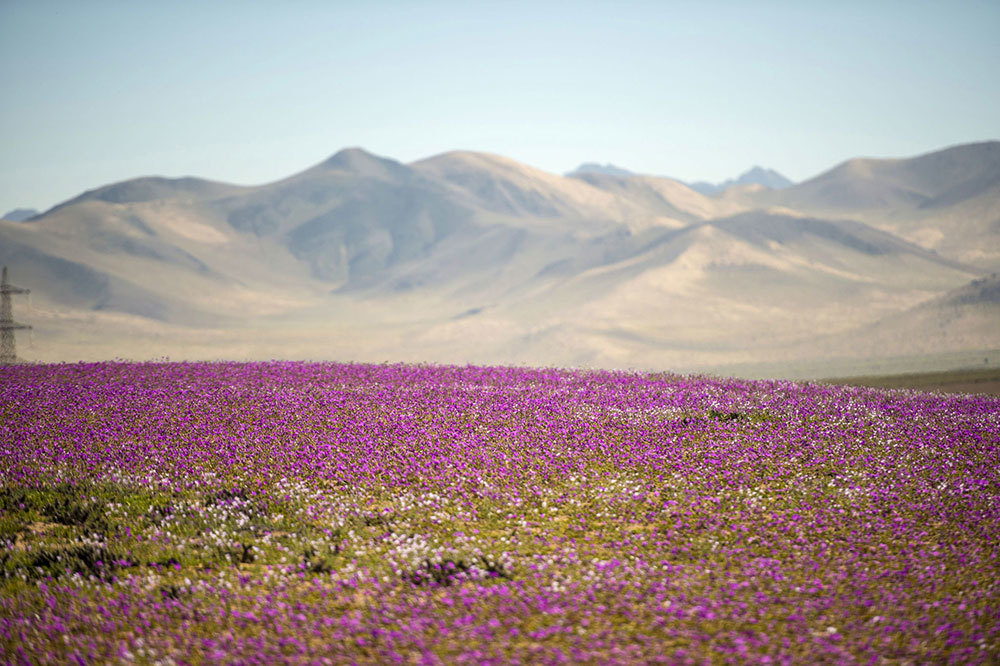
(291,512)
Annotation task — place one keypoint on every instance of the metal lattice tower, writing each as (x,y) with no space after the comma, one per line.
(8,353)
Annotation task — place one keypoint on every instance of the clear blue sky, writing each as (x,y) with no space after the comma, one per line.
(251,91)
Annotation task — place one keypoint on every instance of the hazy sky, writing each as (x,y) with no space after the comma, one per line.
(251,91)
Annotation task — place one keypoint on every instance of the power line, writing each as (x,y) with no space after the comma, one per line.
(8,352)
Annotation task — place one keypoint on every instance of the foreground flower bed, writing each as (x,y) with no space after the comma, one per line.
(259,513)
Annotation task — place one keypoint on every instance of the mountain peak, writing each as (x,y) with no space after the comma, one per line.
(359,161)
(758,175)
(151,188)
(755,175)
(351,152)
(603,169)
(20,215)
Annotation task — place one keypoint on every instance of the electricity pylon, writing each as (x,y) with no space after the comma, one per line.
(8,354)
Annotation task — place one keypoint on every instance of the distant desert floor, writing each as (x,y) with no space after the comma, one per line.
(101,335)
(985,381)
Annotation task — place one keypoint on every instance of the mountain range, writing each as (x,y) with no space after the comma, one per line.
(756,175)
(474,257)
(20,214)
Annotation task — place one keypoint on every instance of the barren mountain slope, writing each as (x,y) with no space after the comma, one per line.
(730,289)
(963,318)
(942,177)
(670,198)
(521,194)
(948,200)
(475,257)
